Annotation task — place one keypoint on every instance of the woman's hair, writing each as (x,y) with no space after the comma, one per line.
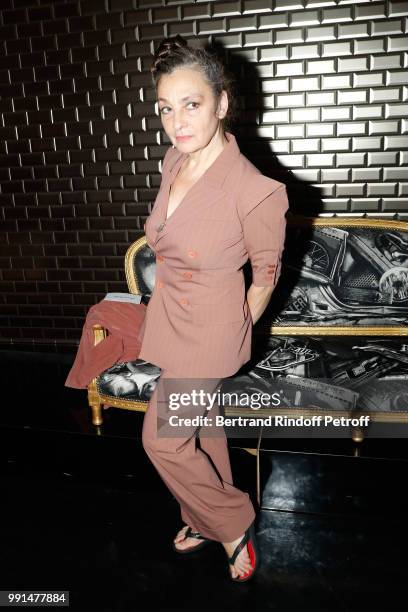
(173,53)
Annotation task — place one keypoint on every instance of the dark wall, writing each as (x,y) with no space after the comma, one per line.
(323,93)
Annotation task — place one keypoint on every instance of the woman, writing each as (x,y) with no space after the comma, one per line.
(213,210)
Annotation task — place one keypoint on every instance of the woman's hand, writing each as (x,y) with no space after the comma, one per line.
(258,299)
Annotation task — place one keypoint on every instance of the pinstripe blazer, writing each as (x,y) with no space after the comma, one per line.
(198,323)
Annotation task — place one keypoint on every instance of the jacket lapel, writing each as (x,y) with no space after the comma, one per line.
(205,192)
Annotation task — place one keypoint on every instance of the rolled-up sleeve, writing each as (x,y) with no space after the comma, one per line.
(264,227)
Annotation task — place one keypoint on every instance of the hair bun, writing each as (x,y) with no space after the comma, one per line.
(166,48)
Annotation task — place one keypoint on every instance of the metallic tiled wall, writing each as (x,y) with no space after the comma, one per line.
(323,90)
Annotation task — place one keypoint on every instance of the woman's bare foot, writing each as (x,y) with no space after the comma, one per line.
(185,543)
(242,563)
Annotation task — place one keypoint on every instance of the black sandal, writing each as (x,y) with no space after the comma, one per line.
(191,534)
(248,540)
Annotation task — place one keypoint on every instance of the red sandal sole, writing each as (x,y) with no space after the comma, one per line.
(253,557)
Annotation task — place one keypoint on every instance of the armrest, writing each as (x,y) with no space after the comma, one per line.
(100,333)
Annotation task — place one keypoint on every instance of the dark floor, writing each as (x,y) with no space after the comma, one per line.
(84,511)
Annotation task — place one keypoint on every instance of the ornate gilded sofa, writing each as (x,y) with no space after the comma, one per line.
(333,340)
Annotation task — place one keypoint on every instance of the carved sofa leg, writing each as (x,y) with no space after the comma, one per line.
(97,418)
(93,395)
(357,434)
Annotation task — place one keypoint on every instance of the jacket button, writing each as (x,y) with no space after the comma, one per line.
(160,284)
(183,301)
(192,253)
(159,257)
(187,275)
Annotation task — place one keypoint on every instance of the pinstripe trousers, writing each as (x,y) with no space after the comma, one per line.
(195,465)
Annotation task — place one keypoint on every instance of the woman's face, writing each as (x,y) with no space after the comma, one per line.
(188,107)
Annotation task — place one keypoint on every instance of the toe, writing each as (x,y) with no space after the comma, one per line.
(184,543)
(180,536)
(244,565)
(188,543)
